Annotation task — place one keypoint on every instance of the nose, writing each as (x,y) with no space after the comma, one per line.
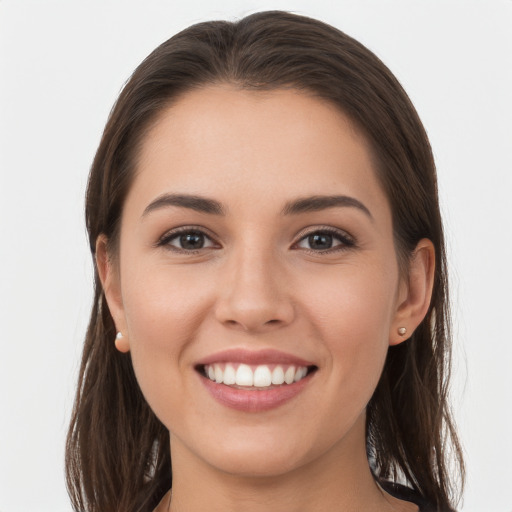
(253,294)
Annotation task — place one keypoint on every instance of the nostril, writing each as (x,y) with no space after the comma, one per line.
(254,309)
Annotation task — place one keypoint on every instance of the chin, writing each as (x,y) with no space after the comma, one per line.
(261,464)
(267,453)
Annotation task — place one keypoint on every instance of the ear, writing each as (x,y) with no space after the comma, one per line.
(415,293)
(108,273)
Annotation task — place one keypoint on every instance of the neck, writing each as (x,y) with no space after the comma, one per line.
(338,480)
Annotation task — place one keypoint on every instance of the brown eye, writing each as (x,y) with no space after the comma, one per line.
(319,241)
(189,240)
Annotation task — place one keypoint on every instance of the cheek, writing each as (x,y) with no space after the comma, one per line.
(164,309)
(162,304)
(352,313)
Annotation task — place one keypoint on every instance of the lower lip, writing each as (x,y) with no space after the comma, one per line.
(254,400)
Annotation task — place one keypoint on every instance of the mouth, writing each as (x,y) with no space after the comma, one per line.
(254,381)
(255,377)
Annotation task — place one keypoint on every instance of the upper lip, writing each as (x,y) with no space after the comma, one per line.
(254,357)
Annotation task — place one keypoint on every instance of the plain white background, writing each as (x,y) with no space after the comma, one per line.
(62,64)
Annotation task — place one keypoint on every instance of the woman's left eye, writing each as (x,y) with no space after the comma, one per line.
(321,241)
(187,241)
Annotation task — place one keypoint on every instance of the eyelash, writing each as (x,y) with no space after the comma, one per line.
(184,230)
(346,241)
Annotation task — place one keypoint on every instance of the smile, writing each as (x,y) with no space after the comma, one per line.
(254,381)
(251,376)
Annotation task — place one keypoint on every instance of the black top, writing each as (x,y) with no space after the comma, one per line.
(405,493)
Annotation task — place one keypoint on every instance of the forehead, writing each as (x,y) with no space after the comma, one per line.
(222,141)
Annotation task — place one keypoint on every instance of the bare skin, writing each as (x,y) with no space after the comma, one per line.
(319,283)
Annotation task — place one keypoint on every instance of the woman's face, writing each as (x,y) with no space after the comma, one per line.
(256,244)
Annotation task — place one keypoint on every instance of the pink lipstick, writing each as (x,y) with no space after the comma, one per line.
(254,380)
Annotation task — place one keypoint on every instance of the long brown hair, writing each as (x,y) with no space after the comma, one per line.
(117,453)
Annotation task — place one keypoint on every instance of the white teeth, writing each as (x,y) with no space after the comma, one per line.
(229,375)
(260,377)
(278,376)
(244,376)
(289,376)
(300,373)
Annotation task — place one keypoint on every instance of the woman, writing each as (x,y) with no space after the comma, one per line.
(271,309)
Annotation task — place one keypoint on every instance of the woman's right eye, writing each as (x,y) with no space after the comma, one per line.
(187,241)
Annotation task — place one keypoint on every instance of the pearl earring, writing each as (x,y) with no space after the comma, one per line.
(402,331)
(121,343)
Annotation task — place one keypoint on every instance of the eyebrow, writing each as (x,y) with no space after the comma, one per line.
(197,203)
(318,203)
(211,206)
